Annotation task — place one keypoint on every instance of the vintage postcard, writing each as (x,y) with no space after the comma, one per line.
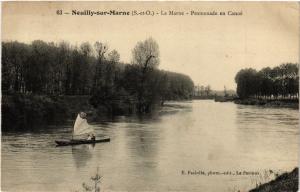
(149,96)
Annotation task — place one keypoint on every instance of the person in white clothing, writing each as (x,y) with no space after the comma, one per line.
(82,115)
(89,137)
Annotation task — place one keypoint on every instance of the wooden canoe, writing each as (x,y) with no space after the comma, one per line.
(79,142)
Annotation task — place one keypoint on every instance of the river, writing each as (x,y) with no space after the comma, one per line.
(159,153)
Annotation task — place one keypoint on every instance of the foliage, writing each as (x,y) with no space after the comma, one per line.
(95,183)
(27,111)
(146,54)
(53,69)
(279,82)
(202,90)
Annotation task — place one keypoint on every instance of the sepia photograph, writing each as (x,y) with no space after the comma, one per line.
(153,96)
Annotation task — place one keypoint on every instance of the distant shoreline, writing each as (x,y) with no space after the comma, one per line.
(284,103)
(281,103)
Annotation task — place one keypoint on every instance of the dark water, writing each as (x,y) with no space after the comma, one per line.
(150,154)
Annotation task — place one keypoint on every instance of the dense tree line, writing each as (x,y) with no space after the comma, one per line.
(42,68)
(273,83)
(202,90)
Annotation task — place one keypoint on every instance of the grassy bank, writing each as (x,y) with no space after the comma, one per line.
(20,111)
(23,112)
(288,103)
(28,111)
(287,182)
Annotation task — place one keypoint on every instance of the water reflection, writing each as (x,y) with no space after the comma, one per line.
(82,154)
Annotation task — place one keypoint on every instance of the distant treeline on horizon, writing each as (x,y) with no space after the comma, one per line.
(281,82)
(43,68)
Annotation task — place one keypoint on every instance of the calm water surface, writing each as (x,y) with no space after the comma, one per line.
(150,154)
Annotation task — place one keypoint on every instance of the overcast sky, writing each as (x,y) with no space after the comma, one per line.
(210,49)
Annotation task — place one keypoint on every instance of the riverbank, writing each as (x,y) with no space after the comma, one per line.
(19,111)
(29,111)
(287,103)
(287,182)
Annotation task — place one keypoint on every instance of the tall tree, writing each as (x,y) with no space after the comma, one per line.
(146,55)
(101,49)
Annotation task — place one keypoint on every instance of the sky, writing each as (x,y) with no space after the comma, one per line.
(210,49)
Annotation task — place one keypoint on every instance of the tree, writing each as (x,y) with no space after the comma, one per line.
(64,60)
(114,56)
(207,90)
(202,90)
(15,60)
(40,65)
(246,82)
(279,82)
(146,54)
(101,49)
(43,68)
